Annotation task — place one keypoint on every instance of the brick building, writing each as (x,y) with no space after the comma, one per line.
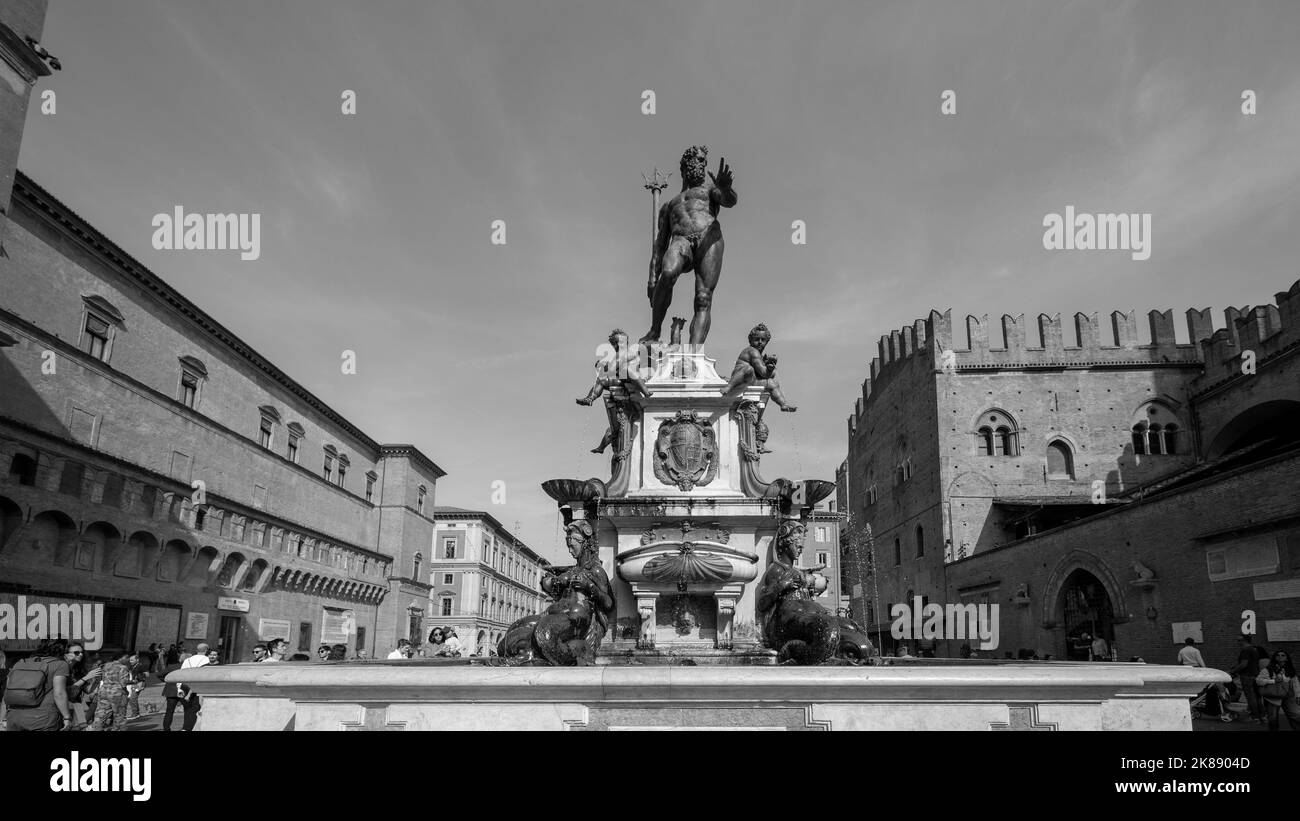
(1143,493)
(152,461)
(483,577)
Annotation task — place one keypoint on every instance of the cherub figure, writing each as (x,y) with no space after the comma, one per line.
(616,367)
(753,367)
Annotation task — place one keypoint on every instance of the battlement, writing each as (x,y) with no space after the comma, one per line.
(1263,329)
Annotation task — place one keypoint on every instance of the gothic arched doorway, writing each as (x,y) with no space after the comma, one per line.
(1087,615)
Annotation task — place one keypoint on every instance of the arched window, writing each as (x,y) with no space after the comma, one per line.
(1171,438)
(23,468)
(920,541)
(997,434)
(1140,438)
(1060,460)
(1155,430)
(1154,443)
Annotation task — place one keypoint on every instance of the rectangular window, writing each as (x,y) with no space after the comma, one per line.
(189,389)
(293,449)
(304,635)
(823,558)
(259,497)
(95,339)
(447,578)
(361,638)
(820,534)
(370,488)
(446,607)
(259,535)
(237,528)
(329,468)
(264,433)
(343,472)
(449,548)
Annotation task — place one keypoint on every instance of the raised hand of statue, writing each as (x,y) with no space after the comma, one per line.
(723,179)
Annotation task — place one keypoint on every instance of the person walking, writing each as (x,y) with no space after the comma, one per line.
(110,704)
(1247,669)
(1279,689)
(36,690)
(139,664)
(190,700)
(171,695)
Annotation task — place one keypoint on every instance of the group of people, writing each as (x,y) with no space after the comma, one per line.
(1267,683)
(59,687)
(443,643)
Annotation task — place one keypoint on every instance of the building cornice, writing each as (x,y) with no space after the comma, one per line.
(414,454)
(62,218)
(20,56)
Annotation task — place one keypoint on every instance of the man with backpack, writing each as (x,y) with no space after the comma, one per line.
(36,690)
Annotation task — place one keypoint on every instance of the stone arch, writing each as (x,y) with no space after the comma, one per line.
(23,467)
(481,645)
(253,576)
(1277,420)
(203,566)
(1092,563)
(53,533)
(173,561)
(136,555)
(230,568)
(11,521)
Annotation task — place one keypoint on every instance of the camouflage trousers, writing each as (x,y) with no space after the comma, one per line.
(111,711)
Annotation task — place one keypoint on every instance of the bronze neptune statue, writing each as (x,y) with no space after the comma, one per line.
(570,630)
(689,238)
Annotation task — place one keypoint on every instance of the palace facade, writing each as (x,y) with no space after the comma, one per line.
(153,461)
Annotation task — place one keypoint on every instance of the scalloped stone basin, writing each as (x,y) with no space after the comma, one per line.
(695,563)
(414,695)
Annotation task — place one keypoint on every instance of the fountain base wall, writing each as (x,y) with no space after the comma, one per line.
(463,696)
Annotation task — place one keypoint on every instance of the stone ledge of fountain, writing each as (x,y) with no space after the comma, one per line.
(474,696)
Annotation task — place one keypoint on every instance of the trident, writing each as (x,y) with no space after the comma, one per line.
(654,183)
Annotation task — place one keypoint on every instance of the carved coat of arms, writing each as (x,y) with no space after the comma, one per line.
(686,453)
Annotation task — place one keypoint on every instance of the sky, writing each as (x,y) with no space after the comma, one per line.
(376,228)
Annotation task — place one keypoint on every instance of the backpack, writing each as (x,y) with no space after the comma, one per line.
(27,684)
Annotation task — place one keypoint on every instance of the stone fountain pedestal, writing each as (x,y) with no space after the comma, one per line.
(458,695)
(683,525)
